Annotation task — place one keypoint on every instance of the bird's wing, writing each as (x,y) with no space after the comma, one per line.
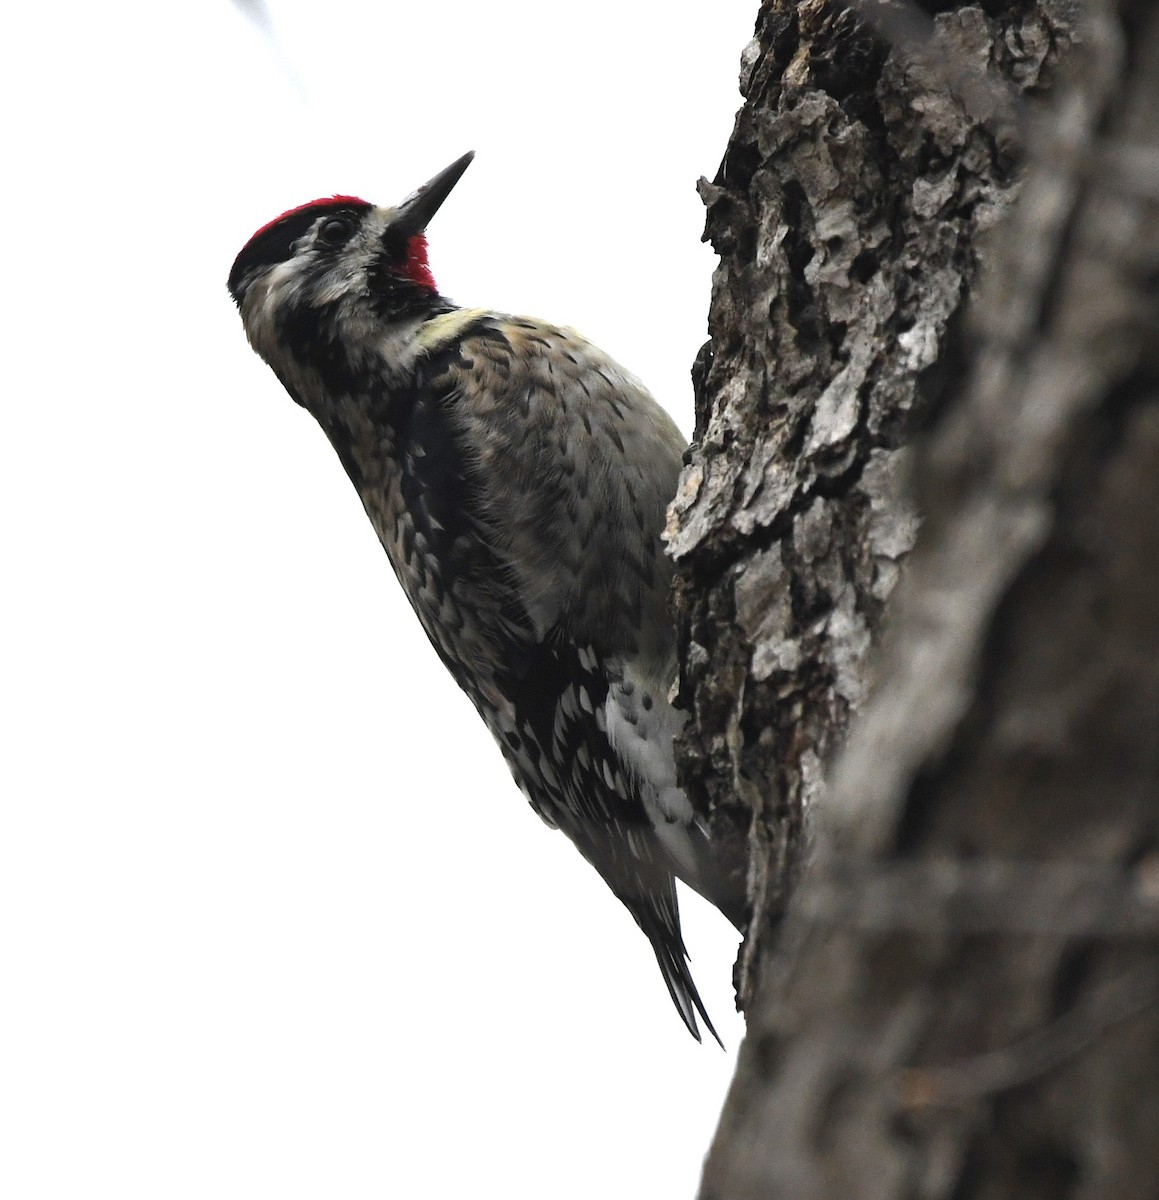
(564,466)
(579,464)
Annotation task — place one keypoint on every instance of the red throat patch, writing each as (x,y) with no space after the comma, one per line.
(417,269)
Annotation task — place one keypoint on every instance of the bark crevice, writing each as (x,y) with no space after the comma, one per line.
(939,241)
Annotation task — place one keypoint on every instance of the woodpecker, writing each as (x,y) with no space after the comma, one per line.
(518,479)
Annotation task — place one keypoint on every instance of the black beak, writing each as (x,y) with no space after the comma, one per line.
(413,215)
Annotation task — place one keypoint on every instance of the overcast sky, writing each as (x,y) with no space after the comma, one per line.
(274,920)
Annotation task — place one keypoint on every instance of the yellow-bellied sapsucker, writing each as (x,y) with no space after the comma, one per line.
(518,480)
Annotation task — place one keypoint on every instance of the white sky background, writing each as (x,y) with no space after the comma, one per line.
(274,920)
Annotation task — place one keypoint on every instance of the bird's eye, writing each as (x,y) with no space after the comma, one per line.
(335,230)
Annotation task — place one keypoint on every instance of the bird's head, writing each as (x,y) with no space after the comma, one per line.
(338,263)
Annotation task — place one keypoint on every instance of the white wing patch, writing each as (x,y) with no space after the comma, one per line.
(447,327)
(641,725)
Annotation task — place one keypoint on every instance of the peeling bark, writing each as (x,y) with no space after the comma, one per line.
(963,1001)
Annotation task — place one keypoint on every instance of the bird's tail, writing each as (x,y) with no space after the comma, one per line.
(661,922)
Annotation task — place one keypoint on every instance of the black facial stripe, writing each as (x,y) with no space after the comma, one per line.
(275,243)
(395,245)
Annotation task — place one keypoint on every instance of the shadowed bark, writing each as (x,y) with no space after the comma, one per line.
(962,999)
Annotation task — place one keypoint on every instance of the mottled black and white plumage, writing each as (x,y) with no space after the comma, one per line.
(518,480)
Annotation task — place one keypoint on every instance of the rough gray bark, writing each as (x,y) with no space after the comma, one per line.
(847,213)
(964,999)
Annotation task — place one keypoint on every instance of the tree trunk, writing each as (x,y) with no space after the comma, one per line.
(961,998)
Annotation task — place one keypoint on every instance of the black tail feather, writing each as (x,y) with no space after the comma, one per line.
(660,920)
